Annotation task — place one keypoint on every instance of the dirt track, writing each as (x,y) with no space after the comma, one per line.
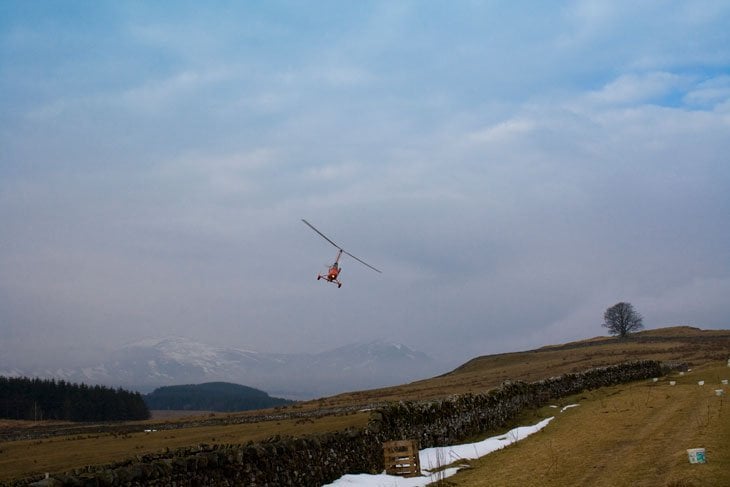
(623,436)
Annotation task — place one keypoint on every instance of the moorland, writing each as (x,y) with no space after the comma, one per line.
(635,434)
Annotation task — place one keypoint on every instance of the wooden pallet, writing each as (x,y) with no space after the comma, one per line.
(401,458)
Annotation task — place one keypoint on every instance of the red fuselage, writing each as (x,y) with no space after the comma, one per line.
(333,273)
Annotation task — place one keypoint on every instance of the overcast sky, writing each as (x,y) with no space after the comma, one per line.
(513,168)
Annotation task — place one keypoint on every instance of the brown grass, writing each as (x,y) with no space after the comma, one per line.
(686,344)
(630,435)
(93,444)
(25,458)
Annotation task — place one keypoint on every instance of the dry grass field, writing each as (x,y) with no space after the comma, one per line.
(630,435)
(22,458)
(626,430)
(684,344)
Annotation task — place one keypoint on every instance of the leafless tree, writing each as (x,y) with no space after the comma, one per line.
(621,319)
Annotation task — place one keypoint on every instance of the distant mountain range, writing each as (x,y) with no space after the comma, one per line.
(151,363)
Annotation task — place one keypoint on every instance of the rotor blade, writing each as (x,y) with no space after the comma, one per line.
(341,249)
(361,261)
(321,234)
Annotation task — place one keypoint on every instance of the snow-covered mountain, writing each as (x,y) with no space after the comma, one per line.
(152,363)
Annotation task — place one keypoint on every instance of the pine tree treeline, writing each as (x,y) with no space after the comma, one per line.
(37,399)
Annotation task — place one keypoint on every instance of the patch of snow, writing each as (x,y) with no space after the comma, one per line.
(434,458)
(11,373)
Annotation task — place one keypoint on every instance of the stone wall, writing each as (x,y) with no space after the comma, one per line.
(446,422)
(319,459)
(311,461)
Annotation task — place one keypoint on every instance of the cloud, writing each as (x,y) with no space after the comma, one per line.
(713,92)
(502,131)
(698,301)
(635,88)
(154,96)
(512,172)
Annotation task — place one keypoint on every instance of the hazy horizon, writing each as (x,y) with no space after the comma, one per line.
(513,169)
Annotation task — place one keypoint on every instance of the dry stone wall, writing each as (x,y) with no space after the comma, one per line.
(311,461)
(451,420)
(320,459)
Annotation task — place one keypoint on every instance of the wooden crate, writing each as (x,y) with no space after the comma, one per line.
(401,458)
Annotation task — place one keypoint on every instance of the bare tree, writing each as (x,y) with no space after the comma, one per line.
(621,319)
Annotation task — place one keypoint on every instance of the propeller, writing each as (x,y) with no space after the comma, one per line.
(338,247)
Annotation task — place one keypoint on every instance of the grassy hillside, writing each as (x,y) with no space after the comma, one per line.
(682,344)
(636,434)
(58,447)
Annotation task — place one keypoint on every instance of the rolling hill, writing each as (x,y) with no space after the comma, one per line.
(706,351)
(211,396)
(679,344)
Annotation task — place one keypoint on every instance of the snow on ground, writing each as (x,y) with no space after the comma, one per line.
(433,458)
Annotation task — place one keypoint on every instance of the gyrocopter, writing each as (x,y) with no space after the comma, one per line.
(335,269)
